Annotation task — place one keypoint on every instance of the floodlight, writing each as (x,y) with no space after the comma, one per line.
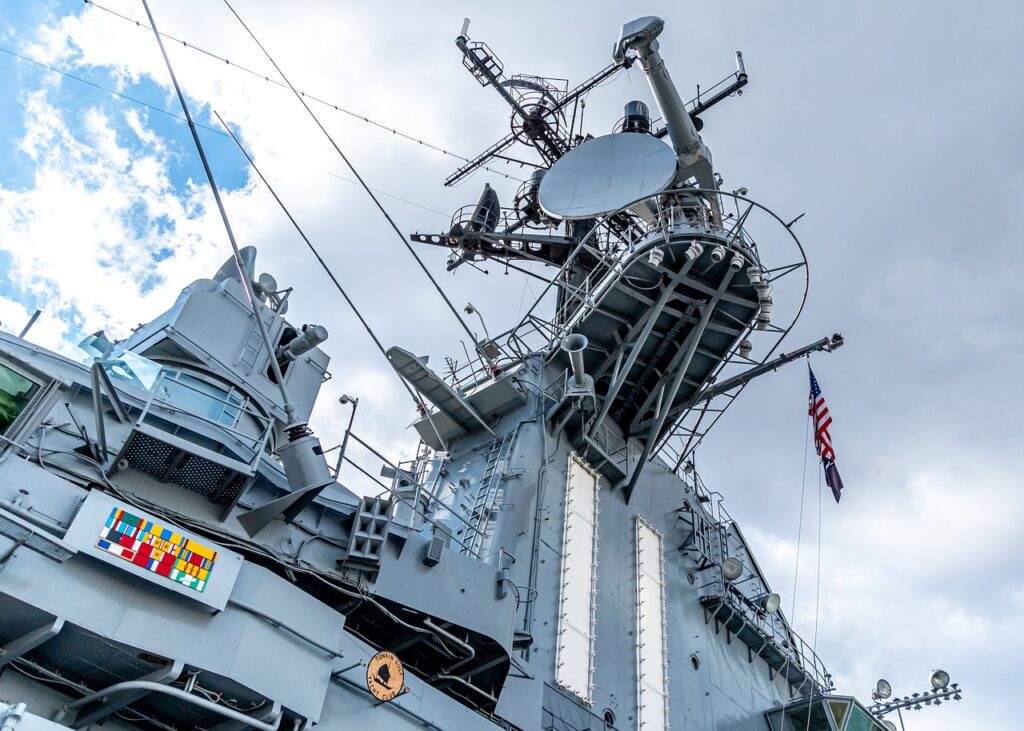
(889,725)
(732,569)
(656,256)
(770,603)
(267,283)
(939,679)
(695,250)
(718,253)
(754,274)
(736,263)
(882,690)
(746,347)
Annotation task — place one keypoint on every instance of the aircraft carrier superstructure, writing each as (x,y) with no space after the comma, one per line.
(177,550)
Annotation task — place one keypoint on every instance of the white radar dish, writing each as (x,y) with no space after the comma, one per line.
(605,174)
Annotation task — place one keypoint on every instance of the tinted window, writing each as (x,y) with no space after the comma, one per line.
(15,393)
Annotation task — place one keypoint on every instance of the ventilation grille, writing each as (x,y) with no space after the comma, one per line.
(168,463)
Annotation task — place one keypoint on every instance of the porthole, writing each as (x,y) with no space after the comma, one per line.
(691,577)
(609,717)
(695,662)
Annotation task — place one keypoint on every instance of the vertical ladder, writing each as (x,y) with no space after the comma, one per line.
(486,497)
(707,538)
(251,350)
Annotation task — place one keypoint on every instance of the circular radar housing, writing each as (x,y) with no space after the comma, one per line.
(605,174)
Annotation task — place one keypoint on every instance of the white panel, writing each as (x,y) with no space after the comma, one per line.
(85,534)
(574,654)
(652,650)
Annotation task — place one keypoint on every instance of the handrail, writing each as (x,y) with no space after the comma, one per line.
(794,646)
(281,624)
(151,687)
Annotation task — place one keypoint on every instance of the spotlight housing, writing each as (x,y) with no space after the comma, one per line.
(939,679)
(732,569)
(770,602)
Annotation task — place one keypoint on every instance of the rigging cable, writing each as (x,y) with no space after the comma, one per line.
(323,264)
(800,523)
(362,182)
(799,534)
(147,105)
(817,597)
(355,115)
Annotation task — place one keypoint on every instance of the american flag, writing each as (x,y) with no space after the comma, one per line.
(818,411)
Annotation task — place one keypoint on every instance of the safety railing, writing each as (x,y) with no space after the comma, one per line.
(771,628)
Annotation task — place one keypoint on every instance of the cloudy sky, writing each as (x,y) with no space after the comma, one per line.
(894,126)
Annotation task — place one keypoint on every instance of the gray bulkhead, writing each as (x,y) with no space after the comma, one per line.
(729,690)
(98,603)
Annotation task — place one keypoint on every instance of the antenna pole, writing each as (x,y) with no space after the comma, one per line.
(289,407)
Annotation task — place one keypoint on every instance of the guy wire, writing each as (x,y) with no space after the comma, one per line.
(362,182)
(323,265)
(354,115)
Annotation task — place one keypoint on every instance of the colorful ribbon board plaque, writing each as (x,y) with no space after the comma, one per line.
(160,550)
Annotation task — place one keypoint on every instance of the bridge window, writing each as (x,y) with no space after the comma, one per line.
(15,393)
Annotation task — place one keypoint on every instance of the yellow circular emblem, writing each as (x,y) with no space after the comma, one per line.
(385,676)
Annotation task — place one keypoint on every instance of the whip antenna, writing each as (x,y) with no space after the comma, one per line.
(243,275)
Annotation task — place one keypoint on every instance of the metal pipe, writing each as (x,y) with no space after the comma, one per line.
(283,625)
(574,345)
(471,653)
(362,689)
(30,323)
(151,687)
(50,525)
(463,681)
